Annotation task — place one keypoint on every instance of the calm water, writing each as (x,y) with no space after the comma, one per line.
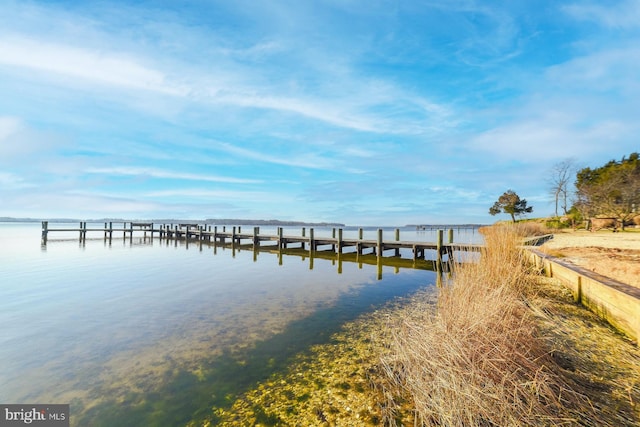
(153,333)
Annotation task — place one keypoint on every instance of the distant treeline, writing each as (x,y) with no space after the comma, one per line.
(269,222)
(224,221)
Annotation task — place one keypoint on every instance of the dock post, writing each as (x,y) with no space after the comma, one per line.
(380,244)
(360,233)
(333,236)
(304,233)
(105,231)
(233,237)
(450,235)
(256,240)
(397,253)
(339,248)
(45,231)
(131,232)
(280,241)
(110,231)
(312,244)
(439,246)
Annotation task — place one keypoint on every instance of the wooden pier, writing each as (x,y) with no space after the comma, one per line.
(307,240)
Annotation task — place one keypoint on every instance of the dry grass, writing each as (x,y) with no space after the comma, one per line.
(478,360)
(519,229)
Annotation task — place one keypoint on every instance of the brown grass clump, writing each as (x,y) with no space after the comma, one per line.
(477,360)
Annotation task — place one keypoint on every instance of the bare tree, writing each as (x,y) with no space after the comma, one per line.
(560,176)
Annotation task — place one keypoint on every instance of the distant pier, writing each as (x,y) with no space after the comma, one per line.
(306,240)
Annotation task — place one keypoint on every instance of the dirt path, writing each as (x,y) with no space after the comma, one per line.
(615,255)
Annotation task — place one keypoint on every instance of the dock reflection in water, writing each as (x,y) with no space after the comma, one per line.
(149,332)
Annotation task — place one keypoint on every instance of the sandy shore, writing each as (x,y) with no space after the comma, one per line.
(601,239)
(615,255)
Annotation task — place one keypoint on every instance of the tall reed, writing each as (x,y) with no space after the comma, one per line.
(476,360)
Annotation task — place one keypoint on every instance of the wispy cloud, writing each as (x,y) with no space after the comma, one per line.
(163,174)
(317,110)
(10,181)
(94,66)
(308,160)
(616,14)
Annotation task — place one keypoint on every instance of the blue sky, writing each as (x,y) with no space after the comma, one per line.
(365,113)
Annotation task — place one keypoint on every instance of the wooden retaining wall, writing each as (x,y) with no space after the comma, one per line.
(616,302)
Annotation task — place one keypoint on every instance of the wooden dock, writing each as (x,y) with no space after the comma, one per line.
(305,241)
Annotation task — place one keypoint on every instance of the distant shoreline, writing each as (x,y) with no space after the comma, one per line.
(223,221)
(231,221)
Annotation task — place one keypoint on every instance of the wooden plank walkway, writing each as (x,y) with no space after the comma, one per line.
(279,241)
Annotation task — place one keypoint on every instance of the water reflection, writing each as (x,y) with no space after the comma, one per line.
(402,259)
(150,332)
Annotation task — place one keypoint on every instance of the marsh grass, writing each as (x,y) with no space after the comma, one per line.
(478,360)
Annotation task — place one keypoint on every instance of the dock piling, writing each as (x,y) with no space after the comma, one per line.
(45,231)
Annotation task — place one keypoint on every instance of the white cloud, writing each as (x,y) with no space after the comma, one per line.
(624,14)
(251,197)
(87,64)
(10,181)
(615,68)
(9,126)
(307,160)
(535,140)
(158,173)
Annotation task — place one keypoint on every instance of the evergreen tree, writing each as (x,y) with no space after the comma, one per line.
(510,203)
